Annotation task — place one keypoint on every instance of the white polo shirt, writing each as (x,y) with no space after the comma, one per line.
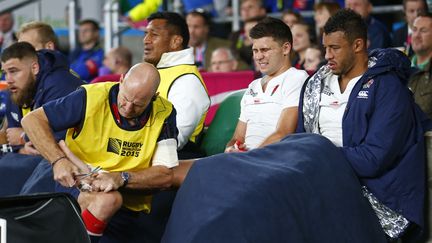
(261,110)
(332,108)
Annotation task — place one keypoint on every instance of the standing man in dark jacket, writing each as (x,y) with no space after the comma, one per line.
(34,78)
(363,106)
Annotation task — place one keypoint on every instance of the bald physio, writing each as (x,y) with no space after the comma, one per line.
(143,74)
(122,128)
(137,89)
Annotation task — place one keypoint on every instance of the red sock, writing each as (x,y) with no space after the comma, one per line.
(93,225)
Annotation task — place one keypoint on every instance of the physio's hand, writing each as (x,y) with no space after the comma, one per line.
(13,136)
(73,158)
(107,181)
(65,172)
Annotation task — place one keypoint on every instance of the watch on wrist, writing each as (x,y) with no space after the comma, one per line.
(125,176)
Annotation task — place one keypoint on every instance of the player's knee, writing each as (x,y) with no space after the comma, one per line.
(112,200)
(84,199)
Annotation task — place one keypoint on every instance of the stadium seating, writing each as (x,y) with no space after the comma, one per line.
(223,125)
(219,85)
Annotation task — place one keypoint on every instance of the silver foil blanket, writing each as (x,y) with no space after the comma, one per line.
(392,223)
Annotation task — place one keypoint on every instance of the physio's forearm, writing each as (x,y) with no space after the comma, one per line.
(36,127)
(155,177)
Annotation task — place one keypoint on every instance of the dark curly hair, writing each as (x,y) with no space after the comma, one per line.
(272,27)
(176,24)
(348,22)
(19,50)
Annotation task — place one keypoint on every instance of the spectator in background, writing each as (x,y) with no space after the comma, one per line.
(314,59)
(303,37)
(289,17)
(422,41)
(420,82)
(223,60)
(323,11)
(378,34)
(269,105)
(87,58)
(402,37)
(243,46)
(250,11)
(118,61)
(7,35)
(39,34)
(199,26)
